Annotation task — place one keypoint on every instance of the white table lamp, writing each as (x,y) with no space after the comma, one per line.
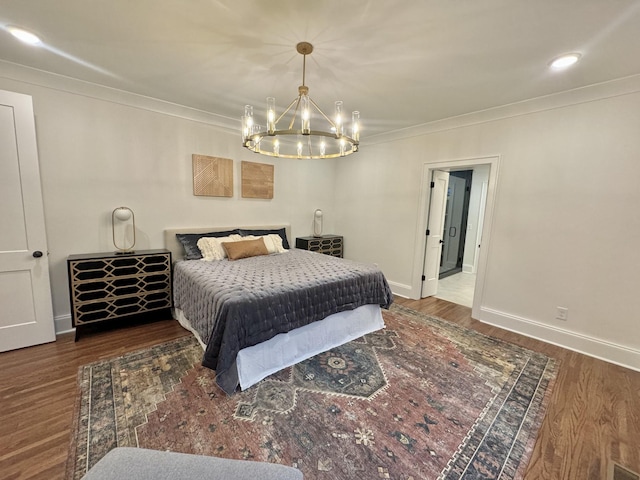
(123,214)
(317,223)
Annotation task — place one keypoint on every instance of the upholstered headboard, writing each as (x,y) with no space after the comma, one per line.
(172,244)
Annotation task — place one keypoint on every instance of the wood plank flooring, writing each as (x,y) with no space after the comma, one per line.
(593,416)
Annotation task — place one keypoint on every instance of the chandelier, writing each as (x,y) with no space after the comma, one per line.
(279,139)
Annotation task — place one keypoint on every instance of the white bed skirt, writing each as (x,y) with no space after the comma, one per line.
(259,361)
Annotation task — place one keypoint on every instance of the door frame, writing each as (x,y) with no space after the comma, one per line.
(421,224)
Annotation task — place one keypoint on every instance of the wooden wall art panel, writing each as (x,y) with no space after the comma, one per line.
(257,180)
(212,176)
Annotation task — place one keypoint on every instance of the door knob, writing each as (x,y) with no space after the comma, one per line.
(37,254)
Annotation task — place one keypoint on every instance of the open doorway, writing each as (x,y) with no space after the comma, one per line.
(454,285)
(456,213)
(466,256)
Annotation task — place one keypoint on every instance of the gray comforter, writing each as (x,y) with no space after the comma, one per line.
(237,304)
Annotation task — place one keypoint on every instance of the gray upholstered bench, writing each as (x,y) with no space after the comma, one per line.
(142,464)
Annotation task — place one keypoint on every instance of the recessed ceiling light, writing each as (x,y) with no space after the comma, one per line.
(564,61)
(24,36)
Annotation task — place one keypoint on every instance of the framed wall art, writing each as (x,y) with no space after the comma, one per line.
(257,180)
(212,176)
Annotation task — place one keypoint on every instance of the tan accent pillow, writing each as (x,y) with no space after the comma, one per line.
(272,241)
(245,249)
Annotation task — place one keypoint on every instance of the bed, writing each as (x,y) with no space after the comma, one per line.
(257,315)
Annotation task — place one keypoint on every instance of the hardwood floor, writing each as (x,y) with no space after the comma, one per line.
(593,416)
(38,392)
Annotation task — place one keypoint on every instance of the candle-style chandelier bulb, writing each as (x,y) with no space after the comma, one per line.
(338,118)
(247,124)
(355,126)
(306,115)
(271,115)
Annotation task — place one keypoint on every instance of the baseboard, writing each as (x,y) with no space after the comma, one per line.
(593,347)
(400,289)
(63,324)
(466,268)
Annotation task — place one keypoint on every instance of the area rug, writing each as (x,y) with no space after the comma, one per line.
(421,399)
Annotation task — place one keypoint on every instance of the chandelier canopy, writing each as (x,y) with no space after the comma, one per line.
(278,139)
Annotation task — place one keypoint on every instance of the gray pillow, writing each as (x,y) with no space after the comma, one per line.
(189,242)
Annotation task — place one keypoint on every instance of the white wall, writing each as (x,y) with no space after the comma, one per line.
(98,151)
(564,229)
(564,232)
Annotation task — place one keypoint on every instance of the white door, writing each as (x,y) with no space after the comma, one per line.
(26,315)
(452,231)
(435,227)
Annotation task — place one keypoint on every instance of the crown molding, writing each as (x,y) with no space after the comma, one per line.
(53,81)
(613,88)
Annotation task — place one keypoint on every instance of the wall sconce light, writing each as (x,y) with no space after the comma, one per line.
(123,214)
(317,223)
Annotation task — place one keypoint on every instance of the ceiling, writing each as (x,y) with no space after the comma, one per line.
(400,63)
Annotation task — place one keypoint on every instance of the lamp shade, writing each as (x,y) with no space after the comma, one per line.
(122,213)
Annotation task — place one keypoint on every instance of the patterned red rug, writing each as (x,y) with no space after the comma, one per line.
(422,399)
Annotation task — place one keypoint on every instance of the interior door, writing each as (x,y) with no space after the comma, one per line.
(435,227)
(452,223)
(455,223)
(26,314)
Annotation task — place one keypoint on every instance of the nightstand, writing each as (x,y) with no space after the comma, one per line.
(108,286)
(328,244)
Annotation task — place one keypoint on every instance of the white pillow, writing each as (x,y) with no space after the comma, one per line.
(277,243)
(211,247)
(273,242)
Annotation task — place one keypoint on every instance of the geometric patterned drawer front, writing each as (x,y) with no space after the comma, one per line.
(118,267)
(117,287)
(120,306)
(327,244)
(108,286)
